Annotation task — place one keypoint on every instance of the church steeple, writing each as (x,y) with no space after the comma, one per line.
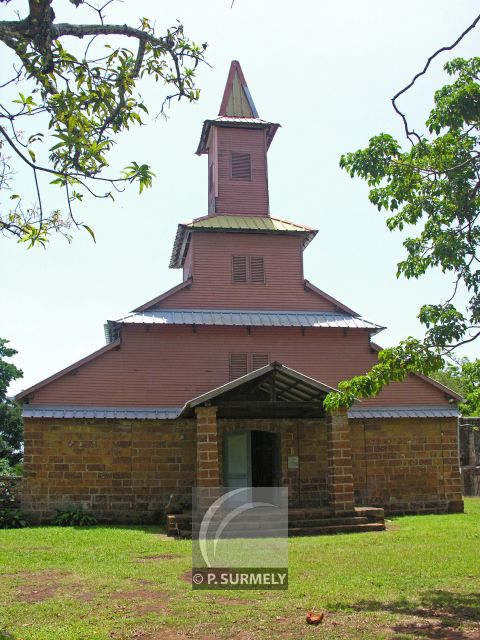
(237,142)
(237,101)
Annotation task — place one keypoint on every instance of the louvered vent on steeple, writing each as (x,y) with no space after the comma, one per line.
(241,166)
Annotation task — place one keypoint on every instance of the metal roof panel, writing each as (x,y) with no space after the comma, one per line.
(411,411)
(250,318)
(100,413)
(234,223)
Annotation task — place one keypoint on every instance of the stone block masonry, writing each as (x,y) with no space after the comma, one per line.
(340,478)
(125,471)
(407,465)
(119,471)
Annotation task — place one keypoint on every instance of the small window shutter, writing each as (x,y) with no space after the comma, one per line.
(241,166)
(257,269)
(259,360)
(238,365)
(210,177)
(239,268)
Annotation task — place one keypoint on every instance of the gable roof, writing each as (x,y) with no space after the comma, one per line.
(292,386)
(232,223)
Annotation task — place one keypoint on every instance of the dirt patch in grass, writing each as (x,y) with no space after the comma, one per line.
(186,577)
(162,556)
(232,601)
(143,600)
(435,631)
(85,596)
(36,593)
(44,585)
(40,585)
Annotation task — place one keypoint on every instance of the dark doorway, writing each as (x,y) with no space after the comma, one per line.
(265,458)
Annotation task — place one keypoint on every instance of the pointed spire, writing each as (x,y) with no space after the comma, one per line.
(237,101)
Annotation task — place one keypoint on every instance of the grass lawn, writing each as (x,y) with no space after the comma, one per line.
(419,579)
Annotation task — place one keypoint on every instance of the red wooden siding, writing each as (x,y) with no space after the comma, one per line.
(166,366)
(212,286)
(234,195)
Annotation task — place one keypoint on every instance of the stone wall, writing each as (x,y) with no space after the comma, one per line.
(125,471)
(470,455)
(120,471)
(407,465)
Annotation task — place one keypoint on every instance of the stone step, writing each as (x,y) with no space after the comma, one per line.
(302,522)
(345,528)
(306,514)
(372,513)
(326,522)
(314,531)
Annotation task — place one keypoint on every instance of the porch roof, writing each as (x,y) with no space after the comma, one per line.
(276,383)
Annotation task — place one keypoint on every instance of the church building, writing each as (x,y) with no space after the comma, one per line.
(220,381)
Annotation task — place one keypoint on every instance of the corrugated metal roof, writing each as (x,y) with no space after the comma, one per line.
(233,121)
(233,223)
(250,223)
(105,413)
(413,411)
(250,318)
(170,413)
(240,119)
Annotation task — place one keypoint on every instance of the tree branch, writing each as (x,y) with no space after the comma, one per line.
(412,133)
(82,30)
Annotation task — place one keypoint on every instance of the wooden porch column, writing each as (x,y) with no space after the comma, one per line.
(208,464)
(340,477)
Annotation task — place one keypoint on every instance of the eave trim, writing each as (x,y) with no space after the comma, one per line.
(183,285)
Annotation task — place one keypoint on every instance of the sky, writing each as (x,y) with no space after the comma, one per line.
(325,70)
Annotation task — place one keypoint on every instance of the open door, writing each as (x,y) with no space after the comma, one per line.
(252,459)
(236,459)
(265,459)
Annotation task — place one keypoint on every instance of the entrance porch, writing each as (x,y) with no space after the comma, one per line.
(269,428)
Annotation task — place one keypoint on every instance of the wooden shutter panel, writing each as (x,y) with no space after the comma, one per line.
(257,269)
(259,360)
(238,365)
(239,268)
(210,177)
(241,166)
